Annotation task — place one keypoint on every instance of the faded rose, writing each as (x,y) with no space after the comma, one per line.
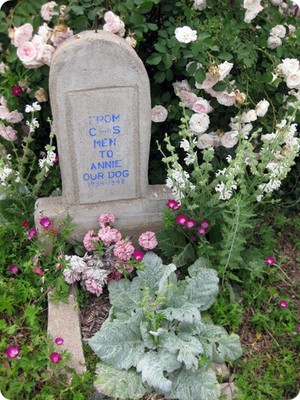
(47,10)
(199,123)
(159,114)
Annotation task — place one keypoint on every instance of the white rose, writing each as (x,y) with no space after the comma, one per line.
(248,116)
(179,86)
(288,66)
(226,99)
(199,5)
(293,80)
(199,123)
(113,24)
(273,42)
(229,139)
(251,13)
(185,34)
(224,69)
(202,106)
(207,140)
(159,114)
(47,10)
(279,31)
(22,34)
(276,2)
(262,108)
(188,98)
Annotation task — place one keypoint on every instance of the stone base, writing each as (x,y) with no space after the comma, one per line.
(133,216)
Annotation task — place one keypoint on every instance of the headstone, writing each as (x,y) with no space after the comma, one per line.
(101,106)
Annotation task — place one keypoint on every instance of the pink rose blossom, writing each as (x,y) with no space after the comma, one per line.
(4,111)
(138,255)
(188,98)
(159,114)
(89,239)
(123,250)
(173,204)
(113,24)
(109,235)
(12,351)
(31,233)
(55,357)
(58,341)
(13,269)
(14,117)
(27,52)
(22,34)
(94,287)
(147,240)
(8,133)
(202,106)
(45,222)
(181,219)
(47,10)
(106,219)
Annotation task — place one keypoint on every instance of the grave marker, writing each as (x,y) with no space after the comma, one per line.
(101,106)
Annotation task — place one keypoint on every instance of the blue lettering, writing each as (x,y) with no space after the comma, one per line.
(118,174)
(90,131)
(105,142)
(116,129)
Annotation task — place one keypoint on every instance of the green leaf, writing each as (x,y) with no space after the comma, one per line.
(119,383)
(220,86)
(77,10)
(119,343)
(200,75)
(152,272)
(199,385)
(186,256)
(225,56)
(167,60)
(159,76)
(154,59)
(170,241)
(153,373)
(145,7)
(160,47)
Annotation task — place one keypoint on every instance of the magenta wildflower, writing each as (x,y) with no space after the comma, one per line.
(190,223)
(45,222)
(270,260)
(138,255)
(13,269)
(201,231)
(205,224)
(25,223)
(55,357)
(59,341)
(31,233)
(173,204)
(12,351)
(147,240)
(181,219)
(298,328)
(38,271)
(283,304)
(17,90)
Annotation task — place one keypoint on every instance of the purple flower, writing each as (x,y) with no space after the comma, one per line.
(205,224)
(181,219)
(31,233)
(283,304)
(38,271)
(270,260)
(55,357)
(298,328)
(201,231)
(190,223)
(16,90)
(45,222)
(138,255)
(12,351)
(173,204)
(13,269)
(58,340)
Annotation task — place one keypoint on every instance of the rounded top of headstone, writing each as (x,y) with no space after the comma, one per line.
(90,37)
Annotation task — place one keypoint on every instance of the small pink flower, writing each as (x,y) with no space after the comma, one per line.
(38,271)
(190,223)
(13,269)
(109,235)
(105,219)
(25,223)
(201,231)
(12,351)
(94,286)
(270,260)
(138,255)
(31,233)
(147,240)
(45,222)
(159,114)
(181,219)
(16,90)
(89,239)
(123,250)
(114,276)
(55,357)
(59,341)
(205,224)
(283,304)
(173,204)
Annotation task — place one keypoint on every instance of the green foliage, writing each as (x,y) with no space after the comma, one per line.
(156,334)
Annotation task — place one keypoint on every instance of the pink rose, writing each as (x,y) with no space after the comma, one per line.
(14,117)
(159,114)
(188,98)
(47,10)
(27,52)
(89,239)
(147,240)
(22,34)
(58,37)
(113,24)
(202,106)
(8,133)
(105,219)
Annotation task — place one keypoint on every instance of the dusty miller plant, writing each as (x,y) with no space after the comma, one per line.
(158,336)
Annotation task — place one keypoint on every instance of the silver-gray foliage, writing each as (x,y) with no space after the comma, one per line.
(155,338)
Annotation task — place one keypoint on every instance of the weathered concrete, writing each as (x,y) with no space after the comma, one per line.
(100,100)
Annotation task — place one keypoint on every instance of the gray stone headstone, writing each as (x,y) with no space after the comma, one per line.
(101,106)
